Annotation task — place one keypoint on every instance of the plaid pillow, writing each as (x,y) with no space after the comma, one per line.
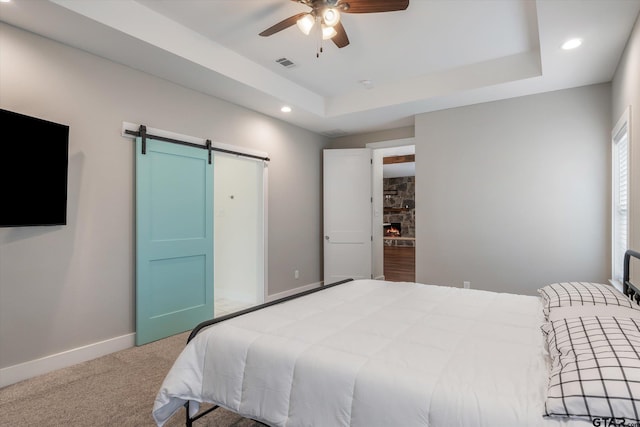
(568,294)
(595,371)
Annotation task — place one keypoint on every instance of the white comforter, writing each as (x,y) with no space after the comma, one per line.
(373,353)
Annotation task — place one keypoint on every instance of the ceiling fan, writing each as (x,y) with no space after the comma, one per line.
(325,14)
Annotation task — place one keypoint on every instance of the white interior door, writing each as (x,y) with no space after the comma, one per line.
(347,214)
(238,230)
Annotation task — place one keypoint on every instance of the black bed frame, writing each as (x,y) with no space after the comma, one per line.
(630,290)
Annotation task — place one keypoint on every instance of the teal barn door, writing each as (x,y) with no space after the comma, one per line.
(174,239)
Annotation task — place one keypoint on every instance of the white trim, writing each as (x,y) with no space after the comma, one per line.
(26,370)
(265,231)
(293,291)
(379,278)
(624,122)
(192,139)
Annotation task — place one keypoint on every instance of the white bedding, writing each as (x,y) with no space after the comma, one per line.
(373,353)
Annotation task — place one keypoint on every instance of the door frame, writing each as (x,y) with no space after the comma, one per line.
(377,248)
(127,127)
(265,205)
(264,213)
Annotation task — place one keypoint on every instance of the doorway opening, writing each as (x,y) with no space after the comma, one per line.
(238,233)
(394,227)
(399,217)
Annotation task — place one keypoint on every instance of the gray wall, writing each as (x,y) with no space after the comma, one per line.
(626,92)
(514,194)
(65,287)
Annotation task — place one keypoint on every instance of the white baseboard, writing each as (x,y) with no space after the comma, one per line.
(380,277)
(293,291)
(26,370)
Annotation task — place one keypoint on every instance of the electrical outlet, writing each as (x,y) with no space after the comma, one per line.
(466,285)
(296,274)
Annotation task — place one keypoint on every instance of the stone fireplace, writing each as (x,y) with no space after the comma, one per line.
(399,211)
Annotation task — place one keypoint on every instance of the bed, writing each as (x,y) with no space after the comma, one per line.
(376,353)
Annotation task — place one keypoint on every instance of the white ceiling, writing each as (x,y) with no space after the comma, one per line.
(436,54)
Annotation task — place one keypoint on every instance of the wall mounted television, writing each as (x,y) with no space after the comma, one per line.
(34,158)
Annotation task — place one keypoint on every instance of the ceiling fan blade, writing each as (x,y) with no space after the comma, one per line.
(340,39)
(285,23)
(373,6)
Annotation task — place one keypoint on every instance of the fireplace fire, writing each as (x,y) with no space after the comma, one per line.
(393,229)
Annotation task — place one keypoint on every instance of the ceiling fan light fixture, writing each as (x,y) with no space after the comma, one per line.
(330,17)
(327,13)
(305,24)
(328,32)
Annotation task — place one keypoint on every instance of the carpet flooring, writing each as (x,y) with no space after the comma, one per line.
(113,390)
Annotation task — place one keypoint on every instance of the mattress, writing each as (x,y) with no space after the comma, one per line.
(373,353)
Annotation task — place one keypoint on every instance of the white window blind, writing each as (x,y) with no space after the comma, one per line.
(620,214)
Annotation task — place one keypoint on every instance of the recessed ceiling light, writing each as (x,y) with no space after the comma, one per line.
(571,44)
(286,109)
(5,1)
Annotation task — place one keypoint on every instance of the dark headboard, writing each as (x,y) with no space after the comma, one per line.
(630,289)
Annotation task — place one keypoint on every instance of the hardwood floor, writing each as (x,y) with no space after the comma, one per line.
(400,264)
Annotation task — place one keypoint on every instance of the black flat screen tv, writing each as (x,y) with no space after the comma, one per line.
(34,161)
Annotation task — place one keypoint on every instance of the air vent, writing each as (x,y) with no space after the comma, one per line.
(287,63)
